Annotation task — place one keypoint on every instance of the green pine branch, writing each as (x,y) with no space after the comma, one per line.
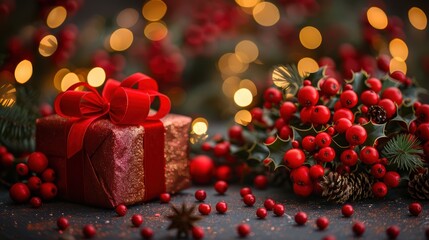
(403,151)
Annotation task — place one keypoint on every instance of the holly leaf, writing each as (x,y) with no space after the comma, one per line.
(258,152)
(410,93)
(299,134)
(387,82)
(288,78)
(278,149)
(374,132)
(316,76)
(358,82)
(339,141)
(404,114)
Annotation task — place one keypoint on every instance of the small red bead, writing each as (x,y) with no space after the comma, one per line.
(261,213)
(48,175)
(243,230)
(279,210)
(89,231)
(7,159)
(165,197)
(63,223)
(22,169)
(48,191)
(34,183)
(244,191)
(137,220)
(221,187)
(36,202)
(19,193)
(329,237)
(121,210)
(204,209)
(393,232)
(358,228)
(206,146)
(415,208)
(146,233)
(347,210)
(221,207)
(197,233)
(249,200)
(260,182)
(322,223)
(301,218)
(200,195)
(269,204)
(37,162)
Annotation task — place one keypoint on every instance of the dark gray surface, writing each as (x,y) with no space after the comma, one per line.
(23,222)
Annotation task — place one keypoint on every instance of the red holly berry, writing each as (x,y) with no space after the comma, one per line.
(341,169)
(347,210)
(349,157)
(301,175)
(221,149)
(257,114)
(422,113)
(223,173)
(305,114)
(62,223)
(342,124)
(243,230)
(330,86)
(260,181)
(121,210)
(165,197)
(269,204)
(301,218)
(320,115)
(294,158)
(204,208)
(369,98)
(309,143)
(394,94)
(378,170)
(423,131)
(7,159)
(285,132)
(389,106)
(323,139)
(383,63)
(22,169)
(221,207)
(326,154)
(343,113)
(379,189)
(322,223)
(249,200)
(358,228)
(201,169)
(244,191)
(273,95)
(197,233)
(48,175)
(348,99)
(200,195)
(279,124)
(221,187)
(287,110)
(364,109)
(415,208)
(270,140)
(3,150)
(393,232)
(206,146)
(295,144)
(329,237)
(146,233)
(48,190)
(89,231)
(261,213)
(19,193)
(37,162)
(35,202)
(369,155)
(391,179)
(308,96)
(356,135)
(317,171)
(302,190)
(279,210)
(374,84)
(137,220)
(235,132)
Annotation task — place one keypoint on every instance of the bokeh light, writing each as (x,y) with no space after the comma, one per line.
(48,45)
(243,117)
(266,14)
(127,18)
(243,97)
(121,39)
(96,77)
(247,51)
(154,10)
(230,86)
(310,37)
(398,48)
(236,65)
(68,80)
(200,126)
(59,77)
(307,65)
(248,84)
(377,18)
(56,17)
(397,64)
(417,18)
(23,71)
(247,3)
(155,31)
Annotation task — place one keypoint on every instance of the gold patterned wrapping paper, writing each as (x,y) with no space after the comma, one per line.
(109,171)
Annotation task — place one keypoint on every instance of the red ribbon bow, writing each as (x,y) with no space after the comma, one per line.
(119,101)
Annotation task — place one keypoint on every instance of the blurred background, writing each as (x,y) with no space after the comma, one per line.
(212,58)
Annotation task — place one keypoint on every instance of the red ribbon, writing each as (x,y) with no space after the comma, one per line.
(119,101)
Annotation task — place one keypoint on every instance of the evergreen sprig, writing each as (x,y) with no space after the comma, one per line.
(403,151)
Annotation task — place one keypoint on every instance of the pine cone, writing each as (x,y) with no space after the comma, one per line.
(335,187)
(418,187)
(361,186)
(377,114)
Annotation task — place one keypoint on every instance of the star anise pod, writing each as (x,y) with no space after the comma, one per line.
(183,220)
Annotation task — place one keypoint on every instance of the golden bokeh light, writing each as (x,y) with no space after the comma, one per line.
(266,14)
(23,71)
(243,117)
(417,18)
(155,31)
(59,77)
(397,64)
(200,126)
(377,18)
(247,3)
(96,77)
(230,86)
(398,48)
(48,45)
(68,80)
(127,18)
(243,97)
(121,39)
(154,10)
(56,17)
(246,83)
(307,65)
(310,37)
(247,51)
(236,65)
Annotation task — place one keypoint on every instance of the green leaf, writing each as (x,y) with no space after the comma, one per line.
(278,149)
(340,141)
(288,78)
(299,134)
(405,114)
(358,82)
(315,77)
(374,132)
(258,152)
(387,82)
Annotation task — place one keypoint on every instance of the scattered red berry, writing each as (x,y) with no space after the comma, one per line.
(200,195)
(137,220)
(391,179)
(36,202)
(249,200)
(37,162)
(358,228)
(301,218)
(279,210)
(221,187)
(322,223)
(244,191)
(329,237)
(165,197)
(269,204)
(302,190)
(197,233)
(223,173)
(243,230)
(260,181)
(121,210)
(22,169)
(201,169)
(204,209)
(347,210)
(221,207)
(62,223)
(146,233)
(19,193)
(261,213)
(89,231)
(34,183)
(393,232)
(379,189)
(415,208)
(48,175)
